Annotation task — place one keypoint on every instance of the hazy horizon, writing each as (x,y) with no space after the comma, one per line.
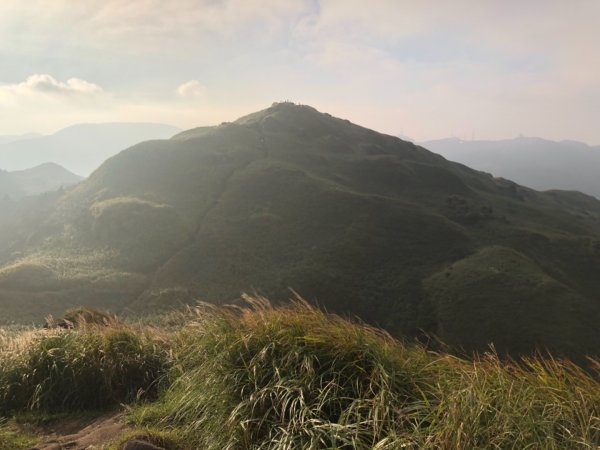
(466,69)
(35,134)
(467,138)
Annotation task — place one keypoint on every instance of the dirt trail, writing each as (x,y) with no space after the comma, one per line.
(83,434)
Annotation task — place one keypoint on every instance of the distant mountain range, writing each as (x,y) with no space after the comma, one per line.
(364,223)
(37,180)
(534,162)
(79,148)
(21,137)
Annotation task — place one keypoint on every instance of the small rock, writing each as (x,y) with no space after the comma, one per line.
(137,444)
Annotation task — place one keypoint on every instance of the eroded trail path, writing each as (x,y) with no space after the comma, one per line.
(83,434)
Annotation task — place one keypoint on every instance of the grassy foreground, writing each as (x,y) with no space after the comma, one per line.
(296,378)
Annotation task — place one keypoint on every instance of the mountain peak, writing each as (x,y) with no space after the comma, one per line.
(366,223)
(281,109)
(48,169)
(43,178)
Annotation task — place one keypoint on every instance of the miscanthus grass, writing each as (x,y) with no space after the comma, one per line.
(90,367)
(294,377)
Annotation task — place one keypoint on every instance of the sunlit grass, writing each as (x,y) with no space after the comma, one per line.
(294,377)
(94,366)
(64,264)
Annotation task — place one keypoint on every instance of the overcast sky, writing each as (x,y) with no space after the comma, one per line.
(426,69)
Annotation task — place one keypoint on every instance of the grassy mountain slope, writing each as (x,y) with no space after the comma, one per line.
(43,178)
(364,223)
(539,163)
(9,186)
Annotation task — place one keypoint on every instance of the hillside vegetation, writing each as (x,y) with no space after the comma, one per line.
(363,223)
(260,377)
(37,180)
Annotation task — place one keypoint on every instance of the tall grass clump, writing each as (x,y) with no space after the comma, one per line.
(291,377)
(89,368)
(294,377)
(538,403)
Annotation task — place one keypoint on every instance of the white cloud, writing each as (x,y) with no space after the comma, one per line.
(191,89)
(41,101)
(46,85)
